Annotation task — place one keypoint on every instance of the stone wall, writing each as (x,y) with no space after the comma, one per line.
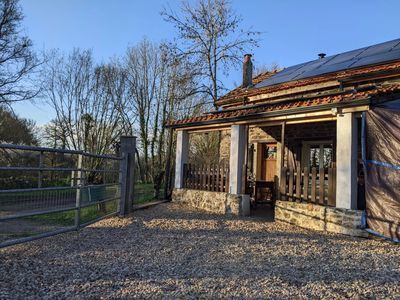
(215,202)
(321,218)
(263,134)
(255,134)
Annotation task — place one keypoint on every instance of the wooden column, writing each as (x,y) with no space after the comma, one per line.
(237,158)
(182,152)
(346,161)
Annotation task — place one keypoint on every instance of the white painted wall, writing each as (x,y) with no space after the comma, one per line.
(237,158)
(182,152)
(346,161)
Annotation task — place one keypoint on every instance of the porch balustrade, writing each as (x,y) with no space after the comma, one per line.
(213,178)
(315,186)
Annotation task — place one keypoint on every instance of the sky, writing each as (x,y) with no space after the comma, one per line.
(293,31)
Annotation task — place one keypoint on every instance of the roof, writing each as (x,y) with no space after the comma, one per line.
(377,61)
(354,97)
(367,56)
(241,92)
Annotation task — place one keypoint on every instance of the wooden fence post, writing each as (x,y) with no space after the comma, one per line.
(283,193)
(313,184)
(79,186)
(127,167)
(298,183)
(291,184)
(306,184)
(322,186)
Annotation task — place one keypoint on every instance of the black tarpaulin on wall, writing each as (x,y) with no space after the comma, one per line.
(382,161)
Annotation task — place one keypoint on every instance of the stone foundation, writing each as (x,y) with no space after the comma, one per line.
(215,202)
(321,218)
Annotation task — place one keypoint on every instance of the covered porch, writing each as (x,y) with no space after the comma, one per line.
(301,165)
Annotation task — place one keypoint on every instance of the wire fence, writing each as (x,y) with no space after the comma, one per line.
(46,191)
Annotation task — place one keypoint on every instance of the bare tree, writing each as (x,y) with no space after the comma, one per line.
(161,87)
(143,69)
(211,37)
(84,97)
(17,60)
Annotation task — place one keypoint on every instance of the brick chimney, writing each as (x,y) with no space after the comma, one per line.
(247,71)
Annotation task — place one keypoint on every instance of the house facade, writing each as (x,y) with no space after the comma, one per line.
(295,138)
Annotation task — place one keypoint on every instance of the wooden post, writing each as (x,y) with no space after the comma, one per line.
(167,175)
(291,184)
(189,176)
(182,152)
(306,183)
(298,183)
(237,158)
(223,178)
(185,176)
(218,179)
(282,159)
(127,166)
(313,184)
(79,186)
(227,175)
(346,160)
(322,186)
(283,184)
(331,199)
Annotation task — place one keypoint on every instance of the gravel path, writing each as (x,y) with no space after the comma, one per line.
(172,252)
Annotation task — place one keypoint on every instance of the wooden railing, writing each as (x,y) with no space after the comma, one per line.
(206,177)
(317,186)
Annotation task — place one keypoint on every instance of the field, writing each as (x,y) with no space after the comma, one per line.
(27,202)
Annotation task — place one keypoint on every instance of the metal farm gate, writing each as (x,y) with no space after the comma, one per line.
(46,191)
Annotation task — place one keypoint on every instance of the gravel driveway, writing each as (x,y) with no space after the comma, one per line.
(172,252)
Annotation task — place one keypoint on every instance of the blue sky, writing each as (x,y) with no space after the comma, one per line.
(293,31)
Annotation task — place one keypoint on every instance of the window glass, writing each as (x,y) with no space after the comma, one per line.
(314,156)
(328,156)
(270,152)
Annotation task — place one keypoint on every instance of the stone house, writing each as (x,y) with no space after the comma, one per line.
(299,138)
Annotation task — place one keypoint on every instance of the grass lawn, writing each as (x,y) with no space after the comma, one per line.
(87,214)
(144,192)
(26,202)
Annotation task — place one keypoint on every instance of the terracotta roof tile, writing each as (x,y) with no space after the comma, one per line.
(346,97)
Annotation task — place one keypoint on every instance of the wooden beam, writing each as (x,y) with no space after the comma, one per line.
(319,116)
(355,109)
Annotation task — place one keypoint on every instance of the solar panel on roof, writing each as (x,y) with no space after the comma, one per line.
(370,55)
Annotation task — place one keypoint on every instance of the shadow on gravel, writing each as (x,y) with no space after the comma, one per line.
(162,250)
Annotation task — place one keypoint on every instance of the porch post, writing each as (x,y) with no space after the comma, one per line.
(182,149)
(237,158)
(346,161)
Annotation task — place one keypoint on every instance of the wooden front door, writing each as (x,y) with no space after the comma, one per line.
(268,162)
(264,187)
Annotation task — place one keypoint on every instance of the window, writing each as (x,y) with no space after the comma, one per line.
(270,152)
(317,154)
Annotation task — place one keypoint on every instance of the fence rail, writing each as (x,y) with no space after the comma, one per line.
(93,187)
(213,178)
(316,186)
